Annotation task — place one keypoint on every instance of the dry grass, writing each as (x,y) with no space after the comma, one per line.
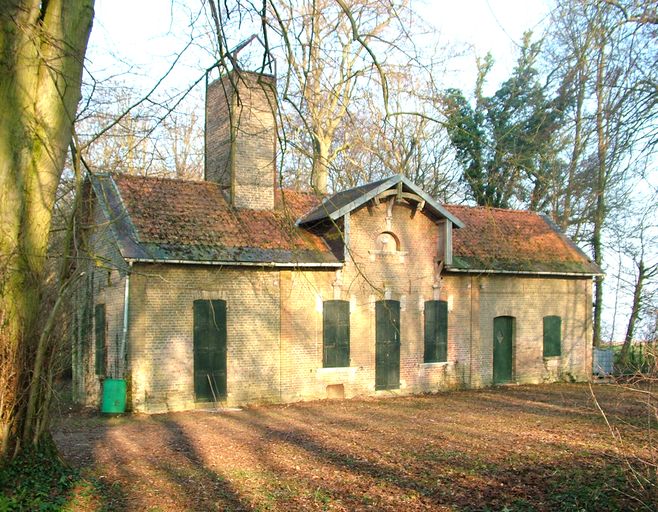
(514,448)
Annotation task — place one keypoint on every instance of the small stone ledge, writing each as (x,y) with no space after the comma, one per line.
(331,375)
(443,364)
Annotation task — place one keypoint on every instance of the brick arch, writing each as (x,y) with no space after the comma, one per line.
(388,242)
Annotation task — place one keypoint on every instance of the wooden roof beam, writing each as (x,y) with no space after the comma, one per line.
(420,202)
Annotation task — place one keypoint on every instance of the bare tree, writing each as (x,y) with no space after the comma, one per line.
(604,62)
(339,58)
(147,138)
(327,47)
(42,52)
(414,144)
(641,240)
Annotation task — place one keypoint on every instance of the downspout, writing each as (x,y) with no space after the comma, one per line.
(126,306)
(470,366)
(280,338)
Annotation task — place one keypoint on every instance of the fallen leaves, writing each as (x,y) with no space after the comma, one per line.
(522,448)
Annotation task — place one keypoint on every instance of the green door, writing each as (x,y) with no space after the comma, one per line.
(502,349)
(387,344)
(209,350)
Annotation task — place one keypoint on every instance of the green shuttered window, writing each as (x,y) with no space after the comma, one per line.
(436,331)
(552,336)
(336,333)
(387,344)
(99,325)
(210,350)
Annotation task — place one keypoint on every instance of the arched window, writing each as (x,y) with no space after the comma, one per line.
(388,243)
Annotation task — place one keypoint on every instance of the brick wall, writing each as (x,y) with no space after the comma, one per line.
(529,300)
(407,272)
(241,138)
(161,333)
(274,320)
(102,281)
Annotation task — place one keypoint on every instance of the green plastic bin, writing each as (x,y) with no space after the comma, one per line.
(114,396)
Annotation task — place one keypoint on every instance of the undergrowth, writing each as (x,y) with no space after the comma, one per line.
(38,481)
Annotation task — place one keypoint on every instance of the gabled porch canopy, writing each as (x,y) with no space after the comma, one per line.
(398,186)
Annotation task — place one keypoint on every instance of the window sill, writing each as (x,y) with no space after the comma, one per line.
(388,255)
(435,365)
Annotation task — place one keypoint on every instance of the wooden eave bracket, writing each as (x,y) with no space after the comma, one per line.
(400,196)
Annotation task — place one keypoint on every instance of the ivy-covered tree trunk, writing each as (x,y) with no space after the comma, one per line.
(42,48)
(506,143)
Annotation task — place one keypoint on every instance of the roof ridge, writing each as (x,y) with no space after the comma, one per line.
(193,181)
(494,208)
(158,178)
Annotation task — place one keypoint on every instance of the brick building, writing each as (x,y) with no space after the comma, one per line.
(231,290)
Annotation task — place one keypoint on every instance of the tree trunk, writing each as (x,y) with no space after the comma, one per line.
(601,181)
(42,47)
(577,148)
(635,313)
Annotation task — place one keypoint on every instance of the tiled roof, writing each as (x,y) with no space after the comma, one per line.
(166,219)
(340,203)
(157,219)
(494,239)
(337,201)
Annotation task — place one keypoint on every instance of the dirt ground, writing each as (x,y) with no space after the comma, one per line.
(511,448)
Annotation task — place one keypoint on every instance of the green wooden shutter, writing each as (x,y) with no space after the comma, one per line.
(99,324)
(87,319)
(430,332)
(210,350)
(436,331)
(552,336)
(442,331)
(387,344)
(336,333)
(343,333)
(503,341)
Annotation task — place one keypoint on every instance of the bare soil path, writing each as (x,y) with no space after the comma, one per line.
(520,448)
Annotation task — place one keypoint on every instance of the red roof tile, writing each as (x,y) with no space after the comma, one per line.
(175,220)
(498,239)
(196,213)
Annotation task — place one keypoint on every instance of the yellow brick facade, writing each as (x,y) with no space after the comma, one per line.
(274,320)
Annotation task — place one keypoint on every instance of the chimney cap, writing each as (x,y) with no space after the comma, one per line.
(235,66)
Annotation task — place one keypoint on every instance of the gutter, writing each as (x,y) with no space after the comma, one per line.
(235,263)
(524,272)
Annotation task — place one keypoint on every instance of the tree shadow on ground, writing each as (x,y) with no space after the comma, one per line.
(128,474)
(426,479)
(442,452)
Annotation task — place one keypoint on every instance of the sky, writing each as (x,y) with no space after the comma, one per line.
(156,30)
(495,26)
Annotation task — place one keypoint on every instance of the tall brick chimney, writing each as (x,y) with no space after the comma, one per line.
(241,137)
